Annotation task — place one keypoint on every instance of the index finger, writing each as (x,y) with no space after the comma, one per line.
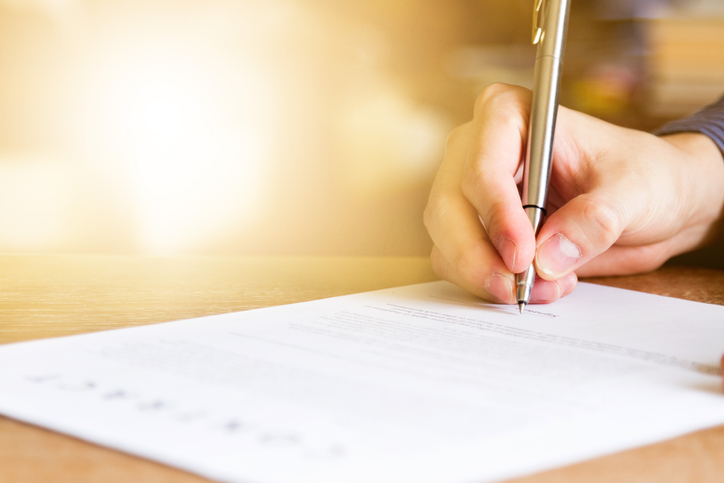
(463,253)
(489,180)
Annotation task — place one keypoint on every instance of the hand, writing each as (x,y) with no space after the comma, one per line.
(620,201)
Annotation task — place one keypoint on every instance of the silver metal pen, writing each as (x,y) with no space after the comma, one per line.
(550,22)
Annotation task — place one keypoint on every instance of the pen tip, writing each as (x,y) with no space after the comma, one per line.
(521,306)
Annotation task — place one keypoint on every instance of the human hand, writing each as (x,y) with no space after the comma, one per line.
(620,201)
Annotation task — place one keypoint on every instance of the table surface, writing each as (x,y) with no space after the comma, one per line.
(49,296)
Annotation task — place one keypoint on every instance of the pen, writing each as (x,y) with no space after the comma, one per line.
(550,22)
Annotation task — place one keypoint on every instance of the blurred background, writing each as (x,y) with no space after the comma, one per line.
(292,127)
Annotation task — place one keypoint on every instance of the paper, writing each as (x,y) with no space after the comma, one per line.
(422,383)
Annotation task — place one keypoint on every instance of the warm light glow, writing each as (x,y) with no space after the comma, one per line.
(192,143)
(164,111)
(387,141)
(39,190)
(248,127)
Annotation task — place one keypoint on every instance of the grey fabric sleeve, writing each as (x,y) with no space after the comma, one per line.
(709,121)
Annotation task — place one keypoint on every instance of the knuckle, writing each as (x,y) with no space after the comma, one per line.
(650,265)
(649,259)
(496,216)
(439,264)
(489,94)
(473,181)
(503,99)
(455,136)
(460,270)
(438,207)
(467,267)
(607,219)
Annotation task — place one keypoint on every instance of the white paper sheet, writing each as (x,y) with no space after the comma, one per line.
(422,383)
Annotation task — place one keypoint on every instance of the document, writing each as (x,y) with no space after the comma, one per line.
(423,383)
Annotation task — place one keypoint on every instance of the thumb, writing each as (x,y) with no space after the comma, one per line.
(580,230)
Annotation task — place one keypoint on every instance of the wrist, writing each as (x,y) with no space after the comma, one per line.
(702,166)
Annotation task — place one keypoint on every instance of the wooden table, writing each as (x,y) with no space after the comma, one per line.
(48,296)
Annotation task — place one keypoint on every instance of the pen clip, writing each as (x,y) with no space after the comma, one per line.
(538,19)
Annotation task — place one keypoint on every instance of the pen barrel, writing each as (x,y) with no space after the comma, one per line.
(544,106)
(541,132)
(554,28)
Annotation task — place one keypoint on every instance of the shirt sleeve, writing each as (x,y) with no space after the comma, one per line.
(709,121)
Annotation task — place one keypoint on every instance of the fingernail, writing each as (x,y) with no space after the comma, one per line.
(556,255)
(500,287)
(508,251)
(545,291)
